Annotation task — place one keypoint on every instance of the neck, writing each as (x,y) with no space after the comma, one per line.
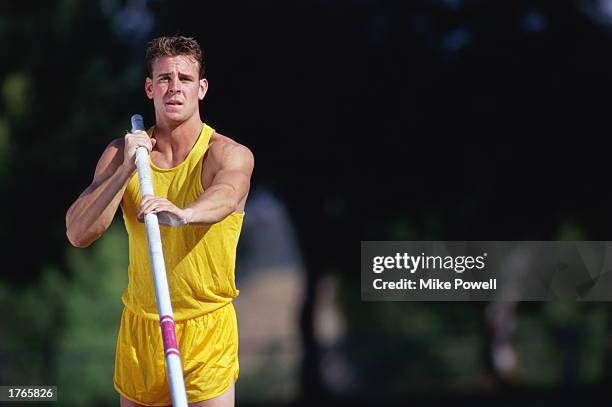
(178,132)
(175,140)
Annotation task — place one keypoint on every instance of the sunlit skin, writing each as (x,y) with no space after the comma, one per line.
(176,89)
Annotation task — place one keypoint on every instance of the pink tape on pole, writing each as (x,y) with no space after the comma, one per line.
(169,335)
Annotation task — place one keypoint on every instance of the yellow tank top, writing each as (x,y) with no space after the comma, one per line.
(200,260)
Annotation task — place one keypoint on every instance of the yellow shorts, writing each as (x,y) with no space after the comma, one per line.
(209,353)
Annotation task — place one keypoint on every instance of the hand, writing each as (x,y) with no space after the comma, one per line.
(131,142)
(168,213)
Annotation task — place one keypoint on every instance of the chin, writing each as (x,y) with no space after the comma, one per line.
(175,117)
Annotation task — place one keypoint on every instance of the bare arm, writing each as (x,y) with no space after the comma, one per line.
(229,188)
(225,195)
(93,211)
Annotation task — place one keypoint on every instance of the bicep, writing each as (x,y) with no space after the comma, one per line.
(109,161)
(236,168)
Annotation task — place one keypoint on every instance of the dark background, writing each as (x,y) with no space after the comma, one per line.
(369,120)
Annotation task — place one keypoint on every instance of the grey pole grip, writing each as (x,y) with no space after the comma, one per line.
(137,123)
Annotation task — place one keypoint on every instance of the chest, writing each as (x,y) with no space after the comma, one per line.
(171,170)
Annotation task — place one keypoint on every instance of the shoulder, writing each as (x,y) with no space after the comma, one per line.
(111,158)
(225,150)
(116,144)
(112,150)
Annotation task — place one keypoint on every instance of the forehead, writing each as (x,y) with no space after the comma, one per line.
(180,63)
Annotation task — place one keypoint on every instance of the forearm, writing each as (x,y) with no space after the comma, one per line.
(214,205)
(93,212)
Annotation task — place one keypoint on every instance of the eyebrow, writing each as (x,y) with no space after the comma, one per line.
(184,75)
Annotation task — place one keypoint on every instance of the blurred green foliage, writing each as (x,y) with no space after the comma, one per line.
(67,88)
(401,349)
(62,331)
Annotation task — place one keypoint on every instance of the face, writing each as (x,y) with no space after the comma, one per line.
(175,88)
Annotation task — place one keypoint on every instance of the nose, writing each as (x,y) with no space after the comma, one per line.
(174,86)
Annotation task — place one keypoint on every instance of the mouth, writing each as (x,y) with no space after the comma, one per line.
(174,103)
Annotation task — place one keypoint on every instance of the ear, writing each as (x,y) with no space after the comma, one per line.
(149,87)
(203,88)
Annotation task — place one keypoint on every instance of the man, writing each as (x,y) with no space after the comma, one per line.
(201,180)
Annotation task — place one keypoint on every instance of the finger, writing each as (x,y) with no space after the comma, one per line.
(146,198)
(153,210)
(145,141)
(151,205)
(151,198)
(140,139)
(163,206)
(141,215)
(144,205)
(138,135)
(166,208)
(145,209)
(149,144)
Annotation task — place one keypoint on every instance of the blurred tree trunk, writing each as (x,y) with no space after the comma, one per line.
(311,383)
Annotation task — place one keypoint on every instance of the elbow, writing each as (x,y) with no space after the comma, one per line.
(79,238)
(234,206)
(71,233)
(80,235)
(76,240)
(231,206)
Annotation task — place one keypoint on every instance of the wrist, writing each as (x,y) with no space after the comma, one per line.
(187,216)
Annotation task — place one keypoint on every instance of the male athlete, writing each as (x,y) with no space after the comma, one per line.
(202,180)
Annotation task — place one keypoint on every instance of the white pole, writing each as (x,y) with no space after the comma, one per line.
(156,254)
